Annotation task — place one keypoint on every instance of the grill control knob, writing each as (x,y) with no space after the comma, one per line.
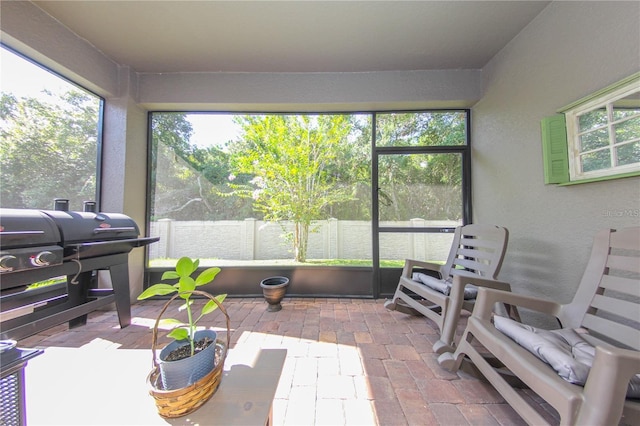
(44,258)
(8,262)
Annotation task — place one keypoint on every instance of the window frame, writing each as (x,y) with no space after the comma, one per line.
(602,99)
(369,281)
(100,119)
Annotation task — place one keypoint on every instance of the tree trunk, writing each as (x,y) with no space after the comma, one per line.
(300,240)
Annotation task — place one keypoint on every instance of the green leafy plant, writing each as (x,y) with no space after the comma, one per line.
(185,286)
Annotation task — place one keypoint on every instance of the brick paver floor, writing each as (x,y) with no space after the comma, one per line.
(349,362)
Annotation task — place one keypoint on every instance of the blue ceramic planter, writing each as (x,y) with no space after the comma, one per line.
(181,373)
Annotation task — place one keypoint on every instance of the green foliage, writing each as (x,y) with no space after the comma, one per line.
(292,160)
(185,286)
(188,181)
(48,149)
(427,183)
(301,168)
(421,129)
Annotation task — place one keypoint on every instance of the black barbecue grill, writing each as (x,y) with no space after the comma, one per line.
(37,245)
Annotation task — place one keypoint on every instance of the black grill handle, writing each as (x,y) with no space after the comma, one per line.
(114,230)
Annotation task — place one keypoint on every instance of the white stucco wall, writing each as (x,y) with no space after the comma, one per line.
(314,92)
(124,160)
(570,50)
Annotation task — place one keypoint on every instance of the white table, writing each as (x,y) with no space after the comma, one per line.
(97,386)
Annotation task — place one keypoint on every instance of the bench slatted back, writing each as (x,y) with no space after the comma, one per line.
(607,302)
(477,249)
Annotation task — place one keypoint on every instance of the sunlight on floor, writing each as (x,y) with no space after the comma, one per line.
(322,382)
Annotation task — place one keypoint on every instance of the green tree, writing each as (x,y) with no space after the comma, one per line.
(292,159)
(352,169)
(48,149)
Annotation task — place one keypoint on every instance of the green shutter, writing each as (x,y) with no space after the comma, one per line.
(554,149)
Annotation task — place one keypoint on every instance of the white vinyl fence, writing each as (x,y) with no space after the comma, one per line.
(251,239)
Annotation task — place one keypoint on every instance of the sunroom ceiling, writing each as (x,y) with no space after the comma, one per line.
(296,36)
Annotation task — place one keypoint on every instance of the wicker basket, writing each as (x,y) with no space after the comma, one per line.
(180,402)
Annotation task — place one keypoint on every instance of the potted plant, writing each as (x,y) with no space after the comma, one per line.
(191,356)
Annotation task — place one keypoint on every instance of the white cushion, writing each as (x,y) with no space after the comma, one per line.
(444,286)
(564,350)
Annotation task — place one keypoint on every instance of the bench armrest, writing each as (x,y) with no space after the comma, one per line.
(460,281)
(488,297)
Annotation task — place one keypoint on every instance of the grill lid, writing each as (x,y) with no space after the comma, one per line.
(43,238)
(83,227)
(27,228)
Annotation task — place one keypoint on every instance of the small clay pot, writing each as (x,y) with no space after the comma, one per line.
(274,289)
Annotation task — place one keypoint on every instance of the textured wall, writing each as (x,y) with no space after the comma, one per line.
(310,91)
(570,50)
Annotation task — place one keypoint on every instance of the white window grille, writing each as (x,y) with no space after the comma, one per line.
(603,132)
